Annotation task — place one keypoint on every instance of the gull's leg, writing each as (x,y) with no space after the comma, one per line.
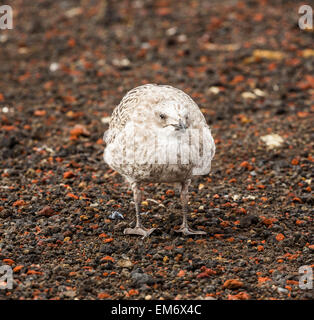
(185,229)
(138,229)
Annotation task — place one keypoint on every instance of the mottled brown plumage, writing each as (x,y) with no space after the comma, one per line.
(158,134)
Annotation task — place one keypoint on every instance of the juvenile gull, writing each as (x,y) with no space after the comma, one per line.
(158,134)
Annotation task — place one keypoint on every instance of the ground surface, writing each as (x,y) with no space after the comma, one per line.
(69,63)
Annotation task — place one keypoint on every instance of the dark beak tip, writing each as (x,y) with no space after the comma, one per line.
(179,126)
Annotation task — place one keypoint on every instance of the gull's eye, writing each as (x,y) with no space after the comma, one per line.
(162,116)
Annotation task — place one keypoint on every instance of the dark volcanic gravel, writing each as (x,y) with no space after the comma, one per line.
(65,66)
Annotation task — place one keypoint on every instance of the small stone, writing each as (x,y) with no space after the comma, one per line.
(171,31)
(272,140)
(141,278)
(46,211)
(214,90)
(3,38)
(105,120)
(73,12)
(182,38)
(54,67)
(70,294)
(259,92)
(123,63)
(248,95)
(248,220)
(282,290)
(232,284)
(236,197)
(125,263)
(116,215)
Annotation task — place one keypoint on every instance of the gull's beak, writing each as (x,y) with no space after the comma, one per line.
(180,126)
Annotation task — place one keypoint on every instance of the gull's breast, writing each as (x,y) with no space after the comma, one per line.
(153,155)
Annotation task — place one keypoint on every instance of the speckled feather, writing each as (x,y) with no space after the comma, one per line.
(134,126)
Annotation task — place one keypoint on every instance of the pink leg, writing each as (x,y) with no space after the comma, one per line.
(184,228)
(139,229)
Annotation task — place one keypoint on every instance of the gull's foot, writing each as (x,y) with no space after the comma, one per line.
(188,231)
(140,231)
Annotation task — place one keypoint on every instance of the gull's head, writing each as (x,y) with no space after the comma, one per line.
(171,115)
